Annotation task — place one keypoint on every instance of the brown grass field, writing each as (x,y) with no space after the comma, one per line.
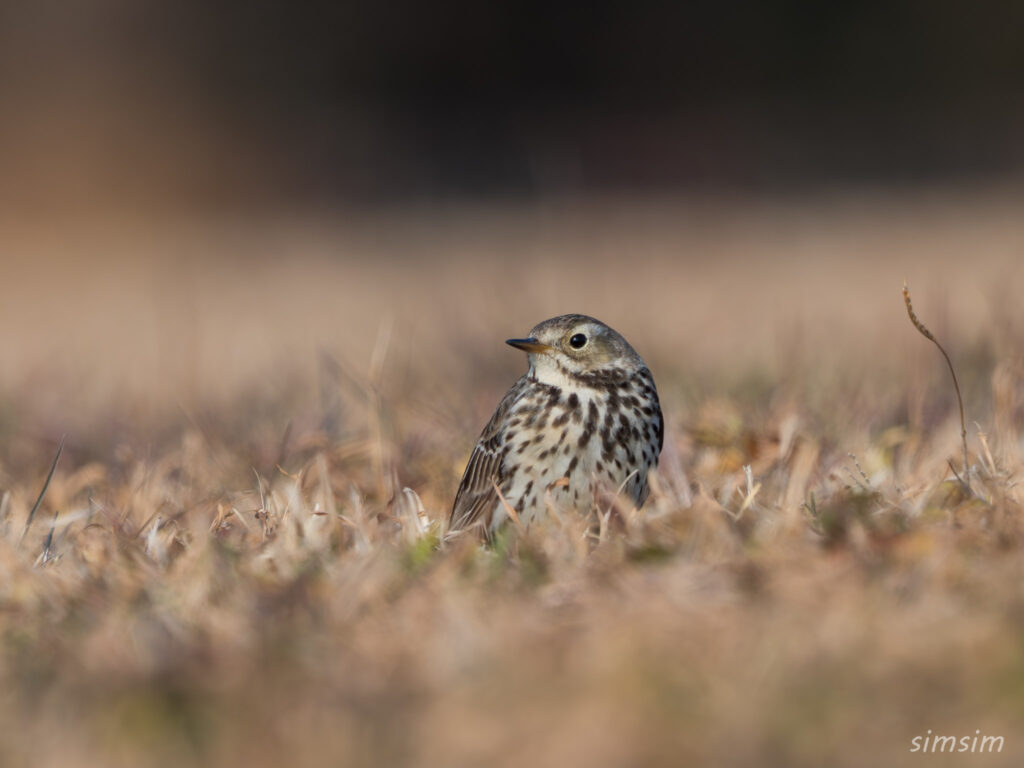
(237,559)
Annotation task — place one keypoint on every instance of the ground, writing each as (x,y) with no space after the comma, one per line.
(237,559)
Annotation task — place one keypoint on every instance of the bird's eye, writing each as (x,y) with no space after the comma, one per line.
(578,341)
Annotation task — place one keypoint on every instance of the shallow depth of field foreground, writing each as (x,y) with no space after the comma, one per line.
(237,562)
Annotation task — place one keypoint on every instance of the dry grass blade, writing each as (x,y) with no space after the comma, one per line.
(47,553)
(966,479)
(509,509)
(46,485)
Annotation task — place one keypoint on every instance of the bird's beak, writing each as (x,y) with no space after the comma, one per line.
(529,345)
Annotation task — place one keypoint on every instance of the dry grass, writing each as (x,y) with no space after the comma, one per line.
(226,569)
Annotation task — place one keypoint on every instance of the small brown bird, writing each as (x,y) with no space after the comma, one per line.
(583,422)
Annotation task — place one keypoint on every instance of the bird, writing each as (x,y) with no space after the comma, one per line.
(583,424)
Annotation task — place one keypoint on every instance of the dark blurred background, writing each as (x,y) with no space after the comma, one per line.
(182,103)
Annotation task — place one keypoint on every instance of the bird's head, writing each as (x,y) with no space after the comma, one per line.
(577,345)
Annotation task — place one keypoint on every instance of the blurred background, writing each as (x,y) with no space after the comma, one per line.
(158,104)
(196,199)
(257,262)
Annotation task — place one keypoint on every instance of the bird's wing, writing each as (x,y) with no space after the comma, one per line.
(658,416)
(476,498)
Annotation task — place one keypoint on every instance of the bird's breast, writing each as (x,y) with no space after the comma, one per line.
(567,444)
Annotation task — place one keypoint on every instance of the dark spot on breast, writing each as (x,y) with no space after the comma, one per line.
(609,419)
(613,400)
(529,487)
(572,465)
(573,402)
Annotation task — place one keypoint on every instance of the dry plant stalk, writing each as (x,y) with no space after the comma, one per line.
(42,493)
(966,479)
